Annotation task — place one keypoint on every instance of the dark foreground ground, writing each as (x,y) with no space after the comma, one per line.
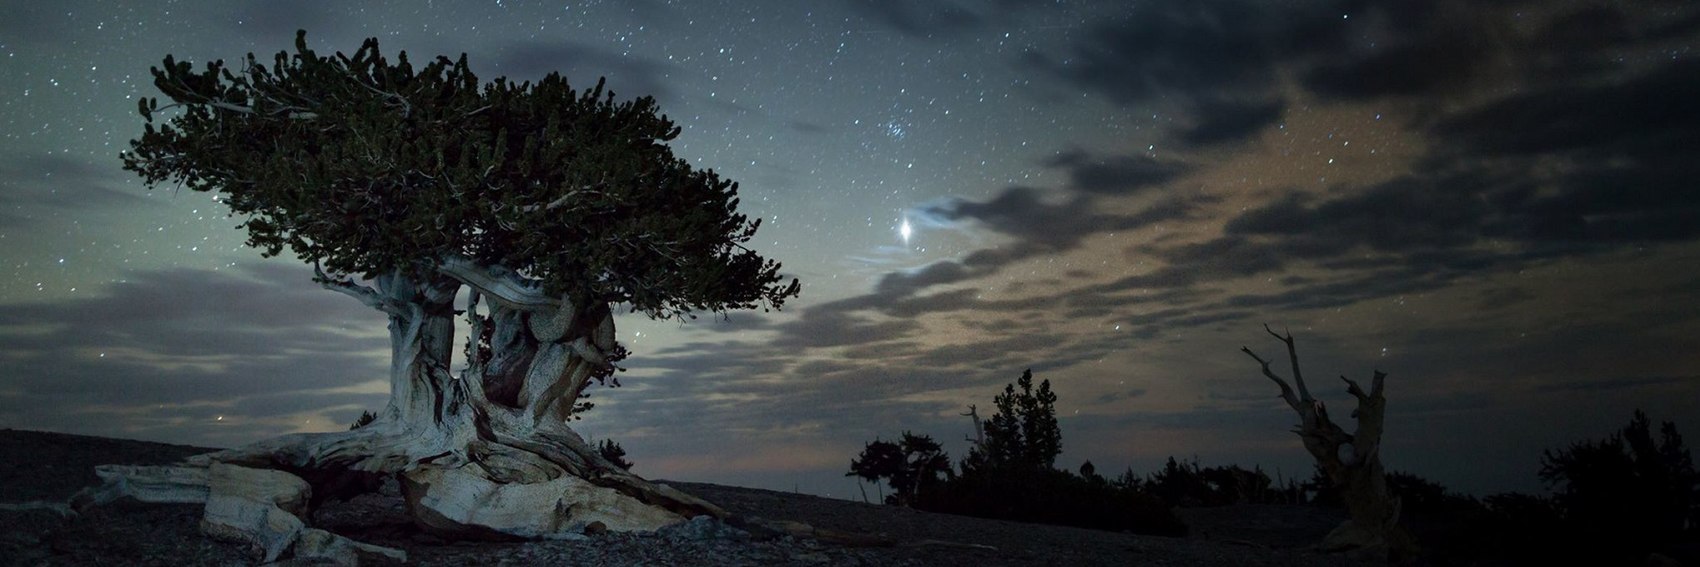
(36,466)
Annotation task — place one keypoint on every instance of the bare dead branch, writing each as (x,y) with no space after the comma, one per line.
(1293,357)
(1286,390)
(1353,389)
(564,199)
(979,439)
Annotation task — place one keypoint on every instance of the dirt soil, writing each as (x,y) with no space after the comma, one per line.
(50,467)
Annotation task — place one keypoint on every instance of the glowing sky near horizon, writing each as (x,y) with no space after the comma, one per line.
(1494,204)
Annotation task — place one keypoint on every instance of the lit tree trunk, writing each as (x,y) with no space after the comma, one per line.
(1351,461)
(481,455)
(421,315)
(544,351)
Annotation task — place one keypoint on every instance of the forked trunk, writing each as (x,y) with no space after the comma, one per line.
(1351,461)
(486,454)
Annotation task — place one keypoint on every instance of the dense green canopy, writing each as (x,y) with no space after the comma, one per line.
(367,166)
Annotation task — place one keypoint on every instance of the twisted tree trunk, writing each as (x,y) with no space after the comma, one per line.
(486,454)
(1351,461)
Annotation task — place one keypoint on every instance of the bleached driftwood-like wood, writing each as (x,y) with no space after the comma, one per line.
(458,501)
(156,484)
(59,508)
(260,507)
(264,508)
(1351,461)
(498,283)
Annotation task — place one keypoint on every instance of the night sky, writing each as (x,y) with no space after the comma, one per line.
(1493,202)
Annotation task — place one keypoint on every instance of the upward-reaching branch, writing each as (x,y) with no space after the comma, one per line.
(1293,357)
(979,439)
(1286,390)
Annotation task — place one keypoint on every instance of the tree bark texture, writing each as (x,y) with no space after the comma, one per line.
(1351,461)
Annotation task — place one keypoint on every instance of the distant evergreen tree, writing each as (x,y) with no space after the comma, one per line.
(614,453)
(1023,434)
(365,418)
(1089,471)
(1010,474)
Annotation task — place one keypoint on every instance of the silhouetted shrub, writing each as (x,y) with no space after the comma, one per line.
(1188,484)
(1627,492)
(1179,484)
(1418,495)
(914,464)
(1052,497)
(1615,501)
(1321,490)
(1524,520)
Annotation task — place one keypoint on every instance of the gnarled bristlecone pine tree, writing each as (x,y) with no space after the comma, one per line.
(552,207)
(1351,461)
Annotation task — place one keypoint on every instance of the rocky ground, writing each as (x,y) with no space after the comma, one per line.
(49,467)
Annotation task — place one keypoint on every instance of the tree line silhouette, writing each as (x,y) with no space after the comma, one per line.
(1617,500)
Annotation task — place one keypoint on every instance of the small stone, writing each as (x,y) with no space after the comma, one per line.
(595,528)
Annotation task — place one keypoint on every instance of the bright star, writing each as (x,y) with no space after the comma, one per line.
(905,231)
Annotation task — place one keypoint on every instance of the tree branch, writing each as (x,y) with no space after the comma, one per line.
(1293,357)
(1286,390)
(498,284)
(295,113)
(1353,389)
(366,295)
(562,200)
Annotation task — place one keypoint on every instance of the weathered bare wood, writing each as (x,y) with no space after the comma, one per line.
(1350,461)
(498,284)
(256,506)
(261,507)
(1286,390)
(1293,357)
(979,438)
(459,502)
(60,508)
(158,484)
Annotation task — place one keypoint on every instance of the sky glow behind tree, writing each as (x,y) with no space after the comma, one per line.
(1495,203)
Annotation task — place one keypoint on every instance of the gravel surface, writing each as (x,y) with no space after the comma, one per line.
(38,466)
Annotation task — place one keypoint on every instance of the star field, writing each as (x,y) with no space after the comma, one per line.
(1494,204)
